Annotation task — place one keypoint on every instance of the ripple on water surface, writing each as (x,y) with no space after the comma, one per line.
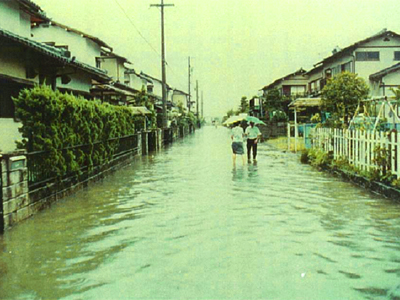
(185,224)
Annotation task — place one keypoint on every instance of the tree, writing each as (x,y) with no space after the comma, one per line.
(273,100)
(342,94)
(244,105)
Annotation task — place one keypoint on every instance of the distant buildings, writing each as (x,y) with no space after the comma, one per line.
(375,59)
(37,50)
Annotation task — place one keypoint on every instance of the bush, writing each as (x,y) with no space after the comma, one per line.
(57,123)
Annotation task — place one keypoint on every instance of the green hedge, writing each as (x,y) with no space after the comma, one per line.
(58,123)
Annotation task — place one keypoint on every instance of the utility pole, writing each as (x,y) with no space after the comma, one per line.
(197,98)
(189,72)
(202,105)
(164,76)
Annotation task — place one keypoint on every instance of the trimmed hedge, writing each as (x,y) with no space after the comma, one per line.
(59,123)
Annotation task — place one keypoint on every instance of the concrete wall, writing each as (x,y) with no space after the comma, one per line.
(14,175)
(12,63)
(13,19)
(84,49)
(137,82)
(80,81)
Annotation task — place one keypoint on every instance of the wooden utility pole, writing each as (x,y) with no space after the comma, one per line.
(197,98)
(189,72)
(202,105)
(164,76)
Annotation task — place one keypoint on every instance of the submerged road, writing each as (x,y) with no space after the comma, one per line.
(185,224)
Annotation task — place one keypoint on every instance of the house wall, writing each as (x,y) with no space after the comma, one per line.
(157,89)
(114,67)
(178,98)
(13,19)
(79,82)
(137,82)
(9,134)
(85,50)
(335,66)
(314,82)
(391,80)
(12,63)
(386,56)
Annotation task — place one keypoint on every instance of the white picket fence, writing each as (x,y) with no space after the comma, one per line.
(357,146)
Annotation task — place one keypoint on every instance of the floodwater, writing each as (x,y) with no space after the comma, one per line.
(185,224)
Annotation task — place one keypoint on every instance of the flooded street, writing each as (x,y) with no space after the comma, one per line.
(185,224)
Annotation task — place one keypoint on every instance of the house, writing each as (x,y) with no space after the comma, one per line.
(384,80)
(255,107)
(293,84)
(316,81)
(180,97)
(25,62)
(136,81)
(374,59)
(84,47)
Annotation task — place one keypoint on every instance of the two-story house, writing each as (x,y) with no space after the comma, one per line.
(294,84)
(25,62)
(373,59)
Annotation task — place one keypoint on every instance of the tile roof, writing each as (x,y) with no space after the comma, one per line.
(56,53)
(382,73)
(85,35)
(33,9)
(384,32)
(301,71)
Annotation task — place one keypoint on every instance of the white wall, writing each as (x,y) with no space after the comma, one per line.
(79,82)
(12,63)
(137,82)
(386,57)
(179,98)
(14,20)
(391,80)
(85,50)
(9,134)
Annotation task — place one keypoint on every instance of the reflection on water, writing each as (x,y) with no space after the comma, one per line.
(184,224)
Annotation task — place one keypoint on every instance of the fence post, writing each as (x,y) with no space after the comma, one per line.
(288,135)
(398,154)
(1,197)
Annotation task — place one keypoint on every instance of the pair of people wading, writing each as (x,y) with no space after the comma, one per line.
(252,134)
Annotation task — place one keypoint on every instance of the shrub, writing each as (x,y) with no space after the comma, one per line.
(57,123)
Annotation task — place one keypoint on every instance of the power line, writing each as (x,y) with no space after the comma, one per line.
(138,31)
(180,77)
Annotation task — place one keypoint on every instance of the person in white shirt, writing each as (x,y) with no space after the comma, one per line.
(237,142)
(253,134)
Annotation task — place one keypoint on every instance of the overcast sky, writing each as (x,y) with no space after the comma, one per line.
(237,46)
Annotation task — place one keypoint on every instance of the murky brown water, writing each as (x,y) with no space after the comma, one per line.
(183,224)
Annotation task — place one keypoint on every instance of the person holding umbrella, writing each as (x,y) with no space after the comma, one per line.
(237,142)
(253,134)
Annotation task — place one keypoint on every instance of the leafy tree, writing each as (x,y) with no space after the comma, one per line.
(142,99)
(244,105)
(342,94)
(273,100)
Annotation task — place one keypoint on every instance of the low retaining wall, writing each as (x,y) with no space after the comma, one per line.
(18,203)
(373,186)
(272,130)
(14,193)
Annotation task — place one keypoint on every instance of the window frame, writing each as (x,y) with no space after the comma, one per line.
(366,56)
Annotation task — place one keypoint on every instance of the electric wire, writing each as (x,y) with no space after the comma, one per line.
(144,38)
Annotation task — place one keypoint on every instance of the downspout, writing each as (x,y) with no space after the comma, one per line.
(354,62)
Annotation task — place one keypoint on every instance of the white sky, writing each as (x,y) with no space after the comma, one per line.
(237,46)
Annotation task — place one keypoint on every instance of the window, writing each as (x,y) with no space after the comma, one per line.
(346,67)
(367,56)
(396,55)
